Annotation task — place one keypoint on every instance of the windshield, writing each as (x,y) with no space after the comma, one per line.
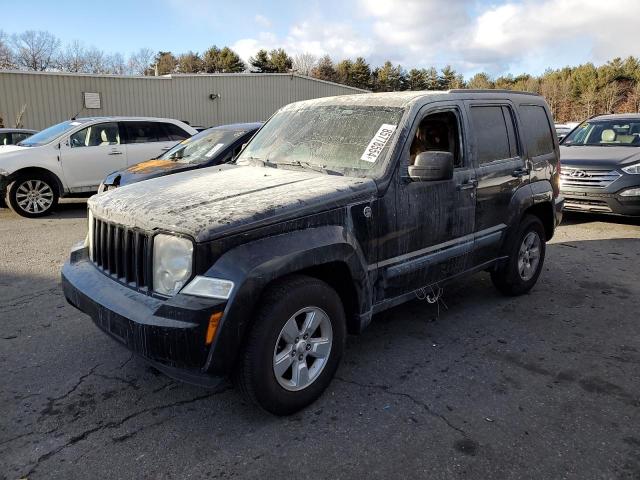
(48,135)
(349,140)
(606,133)
(202,147)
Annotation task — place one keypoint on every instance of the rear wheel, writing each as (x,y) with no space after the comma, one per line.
(526,257)
(294,347)
(32,195)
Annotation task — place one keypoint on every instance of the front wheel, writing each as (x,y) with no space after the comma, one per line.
(32,196)
(526,257)
(294,347)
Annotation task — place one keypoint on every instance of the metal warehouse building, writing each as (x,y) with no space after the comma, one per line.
(201,99)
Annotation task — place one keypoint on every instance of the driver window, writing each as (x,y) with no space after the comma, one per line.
(96,135)
(437,132)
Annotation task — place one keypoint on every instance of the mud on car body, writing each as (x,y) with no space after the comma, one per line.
(337,209)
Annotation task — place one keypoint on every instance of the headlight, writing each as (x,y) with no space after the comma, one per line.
(172,260)
(632,169)
(632,192)
(209,287)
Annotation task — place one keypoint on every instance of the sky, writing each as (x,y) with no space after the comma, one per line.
(497,36)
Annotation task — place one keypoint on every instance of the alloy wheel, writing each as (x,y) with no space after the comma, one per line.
(302,349)
(529,256)
(34,196)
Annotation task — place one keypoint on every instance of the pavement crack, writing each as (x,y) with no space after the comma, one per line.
(23,300)
(125,362)
(51,401)
(429,410)
(115,424)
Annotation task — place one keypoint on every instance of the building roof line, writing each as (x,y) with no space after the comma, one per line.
(173,76)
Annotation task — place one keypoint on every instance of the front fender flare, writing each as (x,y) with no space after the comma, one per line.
(252,266)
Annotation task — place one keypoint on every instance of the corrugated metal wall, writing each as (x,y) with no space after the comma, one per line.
(53,97)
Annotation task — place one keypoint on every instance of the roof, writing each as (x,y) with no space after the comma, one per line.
(238,126)
(406,98)
(121,118)
(617,116)
(171,76)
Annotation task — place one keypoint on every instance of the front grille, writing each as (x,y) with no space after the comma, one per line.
(121,253)
(587,178)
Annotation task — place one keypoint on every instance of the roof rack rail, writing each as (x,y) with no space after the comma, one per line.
(491,90)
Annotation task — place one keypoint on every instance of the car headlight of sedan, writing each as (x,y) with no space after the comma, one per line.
(172,261)
(632,169)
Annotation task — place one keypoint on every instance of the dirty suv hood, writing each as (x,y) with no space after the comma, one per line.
(210,202)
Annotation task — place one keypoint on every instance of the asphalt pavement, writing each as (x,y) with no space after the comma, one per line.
(543,386)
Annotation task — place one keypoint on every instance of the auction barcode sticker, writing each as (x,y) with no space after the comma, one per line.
(214,150)
(377,143)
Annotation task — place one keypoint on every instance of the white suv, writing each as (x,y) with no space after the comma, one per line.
(73,157)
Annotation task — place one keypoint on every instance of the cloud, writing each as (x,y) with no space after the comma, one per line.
(262,21)
(471,35)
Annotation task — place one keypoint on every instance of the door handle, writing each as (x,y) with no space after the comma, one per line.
(164,149)
(115,152)
(468,185)
(520,172)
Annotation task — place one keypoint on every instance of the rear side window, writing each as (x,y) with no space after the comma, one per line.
(174,132)
(5,139)
(145,132)
(536,130)
(494,133)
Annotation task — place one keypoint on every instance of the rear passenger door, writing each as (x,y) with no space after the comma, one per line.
(500,170)
(147,139)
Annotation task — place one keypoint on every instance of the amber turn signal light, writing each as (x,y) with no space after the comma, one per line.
(214,320)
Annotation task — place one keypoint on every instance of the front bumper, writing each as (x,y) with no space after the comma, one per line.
(169,333)
(601,202)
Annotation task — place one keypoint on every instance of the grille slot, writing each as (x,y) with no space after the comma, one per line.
(121,253)
(589,178)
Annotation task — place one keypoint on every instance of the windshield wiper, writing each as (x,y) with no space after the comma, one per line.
(311,166)
(265,163)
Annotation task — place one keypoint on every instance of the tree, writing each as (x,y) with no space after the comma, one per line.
(343,72)
(165,63)
(449,79)
(304,63)
(275,61)
(324,70)
(260,63)
(36,50)
(280,61)
(479,81)
(115,64)
(611,95)
(190,63)
(361,74)
(6,55)
(230,61)
(390,78)
(140,62)
(73,58)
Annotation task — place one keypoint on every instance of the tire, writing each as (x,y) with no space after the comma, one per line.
(296,299)
(520,273)
(32,196)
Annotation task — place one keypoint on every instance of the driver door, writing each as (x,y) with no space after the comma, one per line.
(434,219)
(91,154)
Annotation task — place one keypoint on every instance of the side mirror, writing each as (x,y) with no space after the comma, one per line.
(431,166)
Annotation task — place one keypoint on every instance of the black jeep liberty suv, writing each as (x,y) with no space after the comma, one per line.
(337,209)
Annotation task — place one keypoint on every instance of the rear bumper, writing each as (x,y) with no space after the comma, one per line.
(170,334)
(599,202)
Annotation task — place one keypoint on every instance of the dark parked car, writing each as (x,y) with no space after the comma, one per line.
(11,136)
(601,166)
(210,147)
(338,209)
